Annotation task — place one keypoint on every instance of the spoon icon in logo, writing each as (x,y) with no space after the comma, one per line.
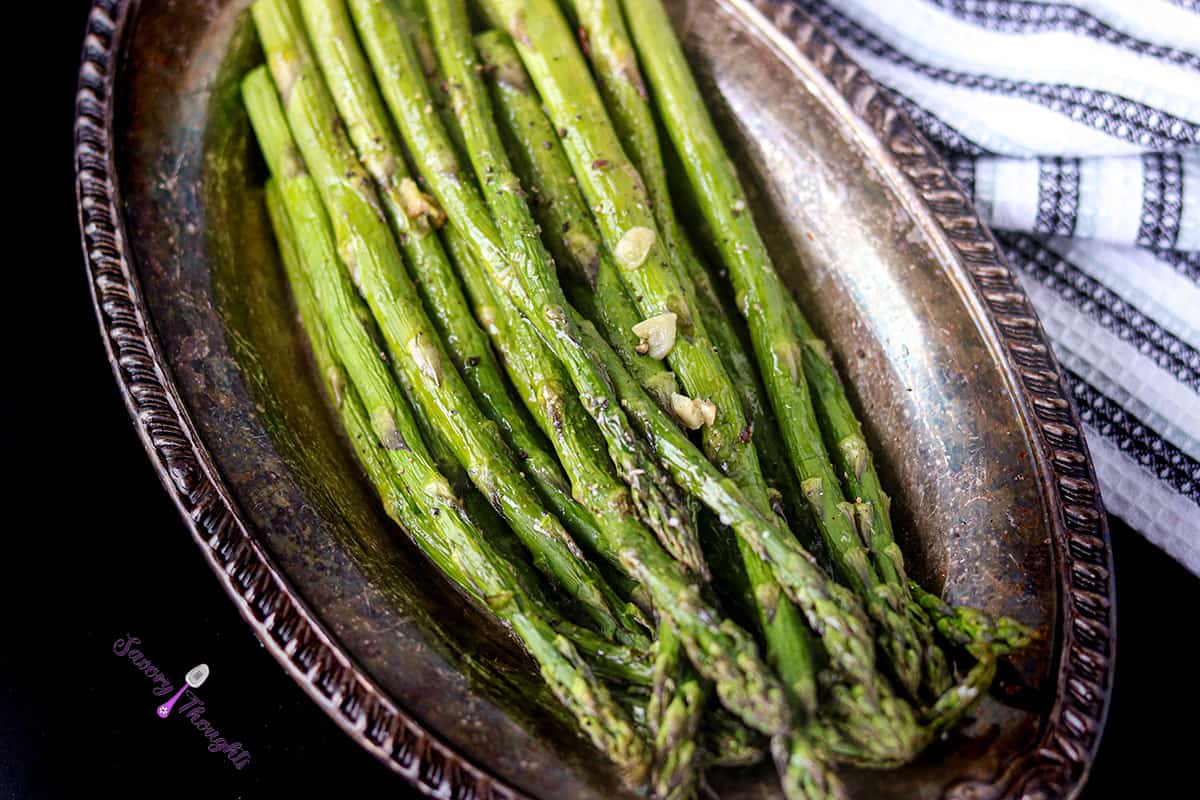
(196,676)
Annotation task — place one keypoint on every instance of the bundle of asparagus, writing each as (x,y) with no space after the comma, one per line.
(613,474)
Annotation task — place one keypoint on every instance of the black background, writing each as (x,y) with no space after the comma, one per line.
(93,550)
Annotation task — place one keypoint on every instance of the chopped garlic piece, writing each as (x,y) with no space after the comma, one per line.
(634,246)
(657,334)
(694,414)
(417,203)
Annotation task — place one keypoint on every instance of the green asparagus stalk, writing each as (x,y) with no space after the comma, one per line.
(566,225)
(611,53)
(852,457)
(832,611)
(508,259)
(674,715)
(413,216)
(504,196)
(659,288)
(980,634)
(612,56)
(385,475)
(541,151)
(560,209)
(611,183)
(615,662)
(720,651)
(539,392)
(366,246)
(409,16)
(548,394)
(415,494)
(412,18)
(767,306)
(873,725)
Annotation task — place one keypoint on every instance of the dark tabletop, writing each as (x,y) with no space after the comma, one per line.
(94,552)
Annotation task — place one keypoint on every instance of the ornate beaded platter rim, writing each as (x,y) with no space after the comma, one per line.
(1055,766)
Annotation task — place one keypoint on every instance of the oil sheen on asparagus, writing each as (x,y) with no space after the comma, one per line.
(664,495)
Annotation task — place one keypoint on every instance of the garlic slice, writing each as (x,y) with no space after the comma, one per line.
(634,246)
(657,335)
(693,413)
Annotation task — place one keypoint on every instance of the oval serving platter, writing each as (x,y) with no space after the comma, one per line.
(977,440)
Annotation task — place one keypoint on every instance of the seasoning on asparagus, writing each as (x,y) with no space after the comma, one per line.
(416,494)
(509,259)
(414,216)
(659,287)
(766,304)
(720,650)
(366,245)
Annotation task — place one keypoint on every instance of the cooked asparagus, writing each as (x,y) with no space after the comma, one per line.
(788,647)
(413,491)
(541,151)
(611,53)
(566,224)
(768,308)
(980,634)
(560,209)
(556,475)
(721,652)
(366,245)
(414,216)
(508,259)
(674,716)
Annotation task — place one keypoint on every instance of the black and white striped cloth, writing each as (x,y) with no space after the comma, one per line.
(1076,127)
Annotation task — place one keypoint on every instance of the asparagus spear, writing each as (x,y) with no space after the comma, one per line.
(507,260)
(366,245)
(414,493)
(613,186)
(386,471)
(410,16)
(658,289)
(547,393)
(980,634)
(872,725)
(673,715)
(560,209)
(542,152)
(414,216)
(567,226)
(610,51)
(720,651)
(853,460)
(619,663)
(832,611)
(766,304)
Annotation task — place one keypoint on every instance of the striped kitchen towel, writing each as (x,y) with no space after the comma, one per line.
(1076,128)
